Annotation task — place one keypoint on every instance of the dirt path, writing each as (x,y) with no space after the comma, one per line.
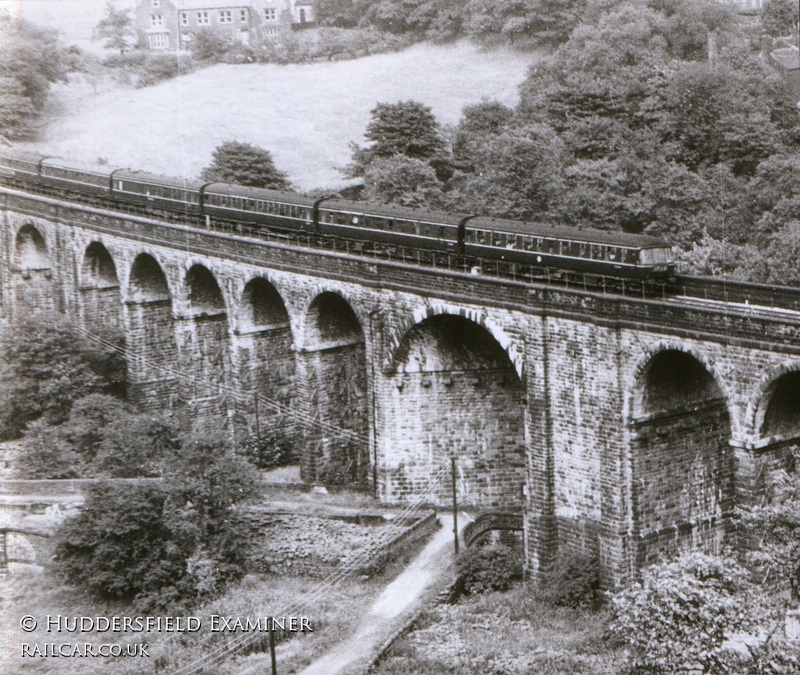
(427,574)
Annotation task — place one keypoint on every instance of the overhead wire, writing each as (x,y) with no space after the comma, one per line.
(351,566)
(319,591)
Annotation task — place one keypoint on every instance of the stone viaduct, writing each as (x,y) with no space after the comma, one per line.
(622,426)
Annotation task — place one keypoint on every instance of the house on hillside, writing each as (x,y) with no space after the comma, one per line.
(170,24)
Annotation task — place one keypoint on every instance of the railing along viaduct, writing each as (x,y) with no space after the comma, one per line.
(622,425)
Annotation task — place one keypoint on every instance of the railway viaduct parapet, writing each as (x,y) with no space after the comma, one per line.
(625,426)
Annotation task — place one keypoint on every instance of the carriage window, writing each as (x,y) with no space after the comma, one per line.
(630,256)
(597,252)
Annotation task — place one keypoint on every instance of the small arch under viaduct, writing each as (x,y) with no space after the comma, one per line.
(622,426)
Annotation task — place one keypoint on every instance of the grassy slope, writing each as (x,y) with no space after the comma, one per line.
(304,114)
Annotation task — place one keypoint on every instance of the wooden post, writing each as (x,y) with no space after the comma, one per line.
(455,504)
(272,646)
(258,424)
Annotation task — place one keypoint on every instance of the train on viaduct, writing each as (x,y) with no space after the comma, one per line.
(620,421)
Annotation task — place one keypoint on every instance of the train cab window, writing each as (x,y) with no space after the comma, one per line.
(654,256)
(630,256)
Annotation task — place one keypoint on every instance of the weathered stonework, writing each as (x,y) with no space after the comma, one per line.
(624,427)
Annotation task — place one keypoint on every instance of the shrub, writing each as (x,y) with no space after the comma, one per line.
(493,567)
(160,67)
(273,449)
(143,69)
(162,546)
(682,612)
(572,580)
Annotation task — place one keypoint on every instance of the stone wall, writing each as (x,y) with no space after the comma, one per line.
(548,398)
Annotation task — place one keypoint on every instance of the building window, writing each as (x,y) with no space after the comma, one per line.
(159,41)
(271,14)
(225,16)
(157,20)
(156,3)
(184,18)
(243,15)
(202,19)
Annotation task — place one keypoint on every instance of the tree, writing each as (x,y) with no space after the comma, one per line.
(31,59)
(779,17)
(516,174)
(244,164)
(162,546)
(117,27)
(404,181)
(478,121)
(48,367)
(403,128)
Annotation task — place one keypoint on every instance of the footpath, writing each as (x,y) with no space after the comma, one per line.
(426,576)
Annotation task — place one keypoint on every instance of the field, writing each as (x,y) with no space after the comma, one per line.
(306,115)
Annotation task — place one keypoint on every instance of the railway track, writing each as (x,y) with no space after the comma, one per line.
(705,289)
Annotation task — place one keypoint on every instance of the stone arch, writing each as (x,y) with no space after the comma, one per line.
(204,348)
(455,393)
(34,288)
(400,330)
(204,293)
(31,249)
(670,379)
(266,373)
(682,463)
(147,281)
(776,412)
(333,384)
(99,288)
(98,269)
(331,320)
(262,307)
(150,336)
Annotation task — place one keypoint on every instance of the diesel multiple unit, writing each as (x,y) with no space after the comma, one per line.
(474,237)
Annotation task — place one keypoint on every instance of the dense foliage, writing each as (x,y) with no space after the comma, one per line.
(244,164)
(519,22)
(46,368)
(572,580)
(162,546)
(492,567)
(681,613)
(31,60)
(630,124)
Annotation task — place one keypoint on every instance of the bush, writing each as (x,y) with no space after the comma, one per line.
(572,580)
(275,448)
(682,612)
(493,567)
(143,69)
(166,545)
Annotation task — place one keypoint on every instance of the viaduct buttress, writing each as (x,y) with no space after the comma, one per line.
(622,426)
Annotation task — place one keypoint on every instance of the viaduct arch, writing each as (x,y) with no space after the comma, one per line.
(624,426)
